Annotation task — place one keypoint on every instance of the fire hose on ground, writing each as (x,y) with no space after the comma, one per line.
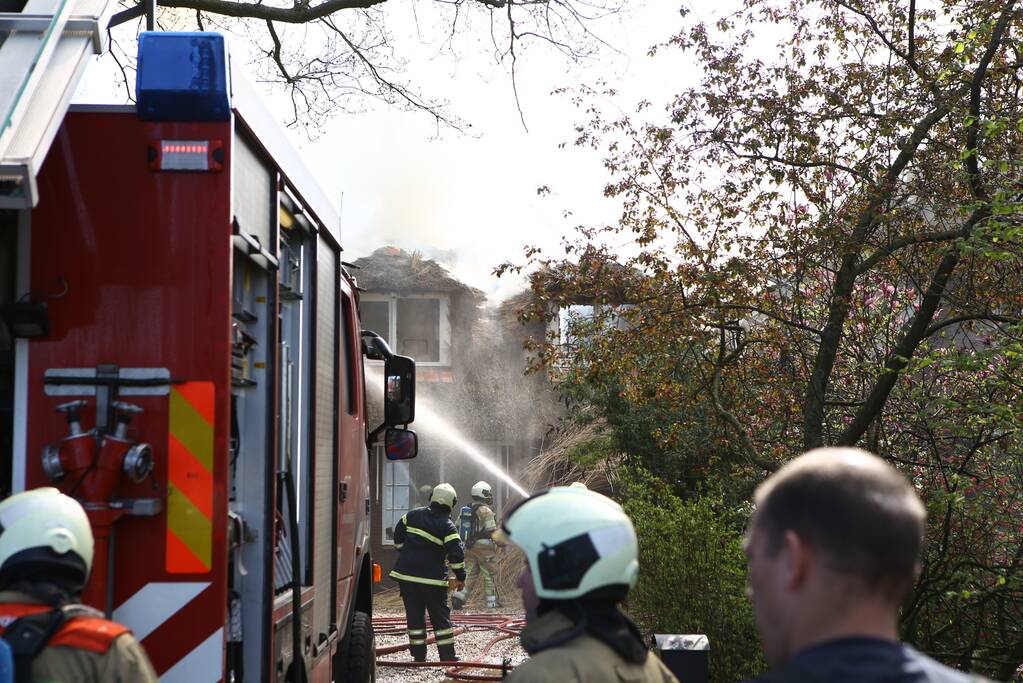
(506,626)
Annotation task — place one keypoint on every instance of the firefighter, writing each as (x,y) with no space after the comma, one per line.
(426,537)
(46,548)
(581,562)
(480,547)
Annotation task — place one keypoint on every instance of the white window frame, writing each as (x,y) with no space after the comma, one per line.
(391,335)
(383,486)
(505,455)
(559,325)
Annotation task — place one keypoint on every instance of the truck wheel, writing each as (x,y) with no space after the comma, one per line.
(356,659)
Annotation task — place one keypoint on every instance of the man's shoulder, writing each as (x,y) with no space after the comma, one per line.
(566,663)
(862,661)
(588,660)
(936,672)
(129,662)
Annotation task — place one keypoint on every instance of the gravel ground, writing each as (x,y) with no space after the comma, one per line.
(468,645)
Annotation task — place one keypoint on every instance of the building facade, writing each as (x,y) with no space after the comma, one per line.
(471,395)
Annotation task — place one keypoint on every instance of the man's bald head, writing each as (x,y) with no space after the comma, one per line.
(857,512)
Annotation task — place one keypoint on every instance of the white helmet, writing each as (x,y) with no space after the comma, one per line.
(444,494)
(482,490)
(44,527)
(576,541)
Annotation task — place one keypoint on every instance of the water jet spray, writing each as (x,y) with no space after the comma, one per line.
(434,423)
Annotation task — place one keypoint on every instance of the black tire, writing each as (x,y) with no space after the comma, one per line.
(356,660)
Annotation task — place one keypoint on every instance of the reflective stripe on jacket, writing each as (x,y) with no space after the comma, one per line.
(426,539)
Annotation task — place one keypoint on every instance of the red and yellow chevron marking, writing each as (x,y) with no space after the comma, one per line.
(190,479)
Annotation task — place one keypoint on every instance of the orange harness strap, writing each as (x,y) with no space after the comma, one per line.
(81,632)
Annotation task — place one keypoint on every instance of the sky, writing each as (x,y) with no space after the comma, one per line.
(476,195)
(471,199)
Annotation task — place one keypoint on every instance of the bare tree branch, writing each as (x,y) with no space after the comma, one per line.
(298,13)
(275,54)
(400,91)
(512,37)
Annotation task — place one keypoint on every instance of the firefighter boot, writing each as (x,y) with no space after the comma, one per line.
(446,644)
(417,644)
(459,598)
(447,653)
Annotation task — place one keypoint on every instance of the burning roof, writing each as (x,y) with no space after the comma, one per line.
(390,269)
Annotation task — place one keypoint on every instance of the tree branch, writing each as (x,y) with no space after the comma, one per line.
(845,280)
(276,52)
(896,244)
(916,332)
(763,312)
(296,14)
(908,57)
(911,39)
(395,88)
(795,164)
(973,130)
(512,37)
(948,322)
(753,455)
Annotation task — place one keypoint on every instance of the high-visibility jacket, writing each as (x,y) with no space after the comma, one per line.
(427,539)
(485,522)
(578,659)
(86,648)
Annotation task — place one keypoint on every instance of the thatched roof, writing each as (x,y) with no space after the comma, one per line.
(390,269)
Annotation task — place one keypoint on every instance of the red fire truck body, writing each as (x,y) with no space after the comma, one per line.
(202,322)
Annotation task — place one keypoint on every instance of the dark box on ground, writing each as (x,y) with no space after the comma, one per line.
(687,656)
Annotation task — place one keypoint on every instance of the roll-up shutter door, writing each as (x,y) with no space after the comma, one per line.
(326,448)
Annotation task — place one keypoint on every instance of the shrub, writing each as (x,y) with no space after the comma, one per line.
(692,573)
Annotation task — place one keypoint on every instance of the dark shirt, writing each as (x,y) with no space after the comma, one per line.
(865,660)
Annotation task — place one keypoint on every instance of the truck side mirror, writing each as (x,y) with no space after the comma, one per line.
(399,391)
(401,444)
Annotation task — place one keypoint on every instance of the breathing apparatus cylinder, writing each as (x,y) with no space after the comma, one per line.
(465,523)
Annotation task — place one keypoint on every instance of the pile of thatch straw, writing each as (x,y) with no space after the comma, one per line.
(553,466)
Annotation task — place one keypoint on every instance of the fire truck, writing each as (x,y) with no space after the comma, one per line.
(187,357)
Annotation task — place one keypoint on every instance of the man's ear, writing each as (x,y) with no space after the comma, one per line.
(798,559)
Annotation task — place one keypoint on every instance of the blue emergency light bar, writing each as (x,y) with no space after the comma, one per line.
(182,77)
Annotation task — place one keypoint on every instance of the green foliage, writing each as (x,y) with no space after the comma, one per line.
(693,459)
(692,573)
(824,247)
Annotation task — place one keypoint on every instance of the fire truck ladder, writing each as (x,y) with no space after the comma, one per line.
(44,51)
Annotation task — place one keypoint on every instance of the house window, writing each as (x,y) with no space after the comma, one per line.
(570,319)
(418,329)
(578,321)
(396,493)
(413,325)
(376,317)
